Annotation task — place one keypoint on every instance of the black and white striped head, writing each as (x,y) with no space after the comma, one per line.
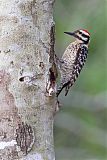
(82,36)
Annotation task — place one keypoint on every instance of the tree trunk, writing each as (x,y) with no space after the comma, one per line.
(26,62)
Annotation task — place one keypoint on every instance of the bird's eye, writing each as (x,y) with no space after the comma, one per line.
(80,32)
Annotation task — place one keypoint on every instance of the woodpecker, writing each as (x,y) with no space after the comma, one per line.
(73,59)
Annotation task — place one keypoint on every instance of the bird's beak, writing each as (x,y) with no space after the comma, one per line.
(71,34)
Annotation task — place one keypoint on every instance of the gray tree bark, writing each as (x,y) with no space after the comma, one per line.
(26,62)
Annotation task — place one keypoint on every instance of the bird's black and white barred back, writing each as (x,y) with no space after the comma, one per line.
(73,60)
(78,65)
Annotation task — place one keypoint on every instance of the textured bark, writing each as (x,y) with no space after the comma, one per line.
(26,61)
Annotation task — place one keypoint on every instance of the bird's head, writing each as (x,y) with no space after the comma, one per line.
(82,36)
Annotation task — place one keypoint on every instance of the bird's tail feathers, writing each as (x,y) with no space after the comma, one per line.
(68,87)
(60,88)
(66,90)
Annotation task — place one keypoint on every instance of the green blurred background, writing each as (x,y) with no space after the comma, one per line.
(81,125)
